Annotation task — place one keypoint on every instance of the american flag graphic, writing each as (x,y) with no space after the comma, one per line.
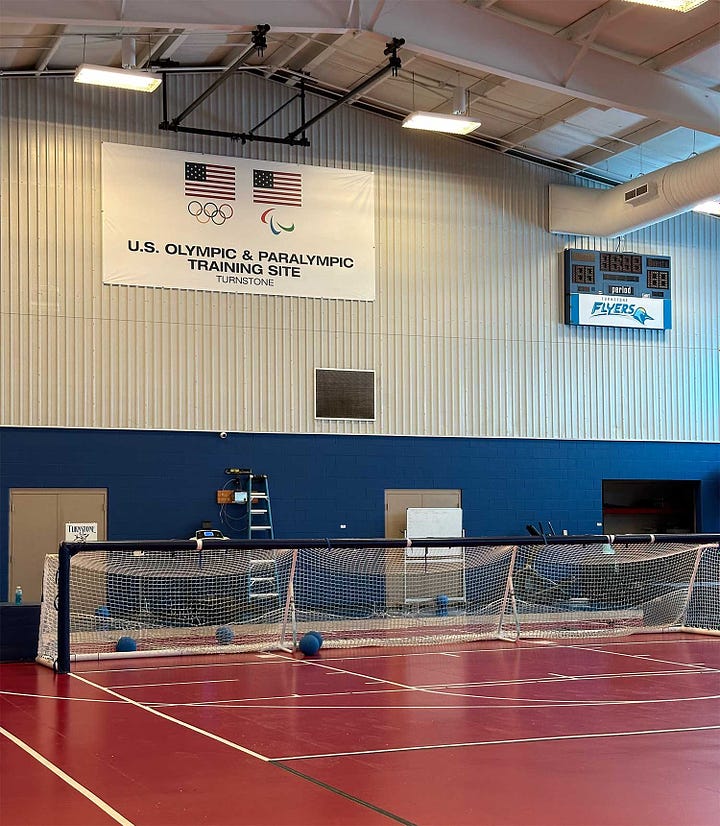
(209,180)
(280,188)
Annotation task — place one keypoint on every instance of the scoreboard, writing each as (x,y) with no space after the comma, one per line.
(617,289)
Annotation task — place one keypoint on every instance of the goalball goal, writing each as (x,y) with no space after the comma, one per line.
(155,598)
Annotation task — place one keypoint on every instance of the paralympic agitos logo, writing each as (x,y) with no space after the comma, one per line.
(275,226)
(614,308)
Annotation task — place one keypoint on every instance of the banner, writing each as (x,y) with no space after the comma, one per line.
(209,222)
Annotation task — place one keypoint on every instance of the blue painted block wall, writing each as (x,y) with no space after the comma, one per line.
(161,484)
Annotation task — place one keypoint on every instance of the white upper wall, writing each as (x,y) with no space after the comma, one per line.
(466,334)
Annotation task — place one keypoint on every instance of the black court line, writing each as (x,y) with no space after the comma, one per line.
(341,793)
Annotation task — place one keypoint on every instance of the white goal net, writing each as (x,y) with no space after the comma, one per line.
(167,601)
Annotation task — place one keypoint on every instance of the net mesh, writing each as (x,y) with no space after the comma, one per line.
(203,601)
(704,606)
(602,589)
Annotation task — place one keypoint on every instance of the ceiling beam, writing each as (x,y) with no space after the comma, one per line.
(328,49)
(684,51)
(639,134)
(586,43)
(583,29)
(588,23)
(306,16)
(167,46)
(623,142)
(57,36)
(450,31)
(479,39)
(540,124)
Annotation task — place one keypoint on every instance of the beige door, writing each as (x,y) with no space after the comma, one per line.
(398,501)
(37,526)
(396,504)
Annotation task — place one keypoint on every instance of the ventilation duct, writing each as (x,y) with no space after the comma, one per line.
(576,210)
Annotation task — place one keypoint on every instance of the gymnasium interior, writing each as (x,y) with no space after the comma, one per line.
(262,282)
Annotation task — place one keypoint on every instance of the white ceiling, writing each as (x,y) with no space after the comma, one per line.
(610,90)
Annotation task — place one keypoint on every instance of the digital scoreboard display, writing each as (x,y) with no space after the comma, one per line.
(617,289)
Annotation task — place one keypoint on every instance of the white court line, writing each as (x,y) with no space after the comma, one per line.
(518,741)
(526,645)
(683,638)
(370,680)
(238,703)
(93,798)
(179,682)
(557,678)
(174,720)
(645,657)
(325,664)
(527,681)
(55,697)
(272,659)
(515,706)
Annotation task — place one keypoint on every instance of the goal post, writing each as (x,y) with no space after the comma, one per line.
(162,598)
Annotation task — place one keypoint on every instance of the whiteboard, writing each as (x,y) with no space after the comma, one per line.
(429,523)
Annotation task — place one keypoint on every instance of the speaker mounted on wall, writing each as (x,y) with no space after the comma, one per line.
(345,394)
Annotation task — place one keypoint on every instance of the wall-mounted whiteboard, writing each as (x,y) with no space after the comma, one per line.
(430,523)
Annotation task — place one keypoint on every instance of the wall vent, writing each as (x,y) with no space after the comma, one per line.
(641,194)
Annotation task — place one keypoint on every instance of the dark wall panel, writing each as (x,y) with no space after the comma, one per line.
(161,484)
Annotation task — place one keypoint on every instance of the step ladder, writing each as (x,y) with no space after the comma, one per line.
(259,513)
(263,583)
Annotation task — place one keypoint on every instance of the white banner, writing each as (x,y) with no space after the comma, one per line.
(209,222)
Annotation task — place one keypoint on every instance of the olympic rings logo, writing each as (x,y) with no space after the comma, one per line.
(204,213)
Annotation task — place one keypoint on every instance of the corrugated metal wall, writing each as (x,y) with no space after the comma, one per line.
(466,334)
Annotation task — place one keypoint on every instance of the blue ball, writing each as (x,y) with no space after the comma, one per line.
(309,645)
(318,635)
(126,644)
(102,611)
(224,635)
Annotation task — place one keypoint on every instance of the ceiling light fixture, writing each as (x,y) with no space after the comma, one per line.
(437,122)
(673,5)
(134,79)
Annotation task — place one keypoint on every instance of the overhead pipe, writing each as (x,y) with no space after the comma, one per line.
(575,210)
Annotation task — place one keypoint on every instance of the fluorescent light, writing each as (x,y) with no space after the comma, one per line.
(673,5)
(436,122)
(133,79)
(708,207)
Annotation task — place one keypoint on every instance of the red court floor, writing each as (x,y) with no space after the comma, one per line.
(581,733)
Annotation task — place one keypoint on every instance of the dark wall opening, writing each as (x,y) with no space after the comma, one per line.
(650,505)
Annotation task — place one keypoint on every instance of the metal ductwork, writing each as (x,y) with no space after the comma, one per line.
(643,201)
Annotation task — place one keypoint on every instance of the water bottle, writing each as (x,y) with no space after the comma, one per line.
(18,596)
